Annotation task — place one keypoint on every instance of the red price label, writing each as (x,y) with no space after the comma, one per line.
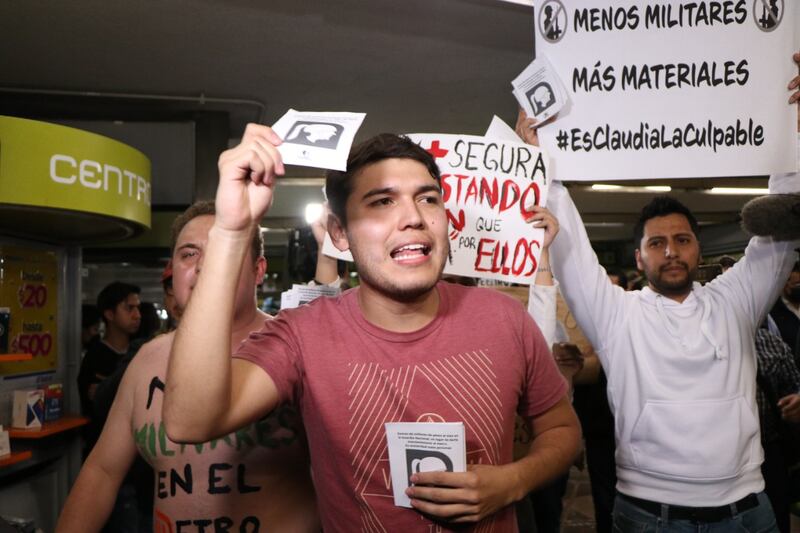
(33,343)
(32,296)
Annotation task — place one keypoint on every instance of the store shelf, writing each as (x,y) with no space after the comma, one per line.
(49,428)
(14,357)
(15,457)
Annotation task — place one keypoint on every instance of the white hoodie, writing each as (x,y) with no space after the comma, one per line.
(681,376)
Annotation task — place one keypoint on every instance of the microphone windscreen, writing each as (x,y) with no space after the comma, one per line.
(775,215)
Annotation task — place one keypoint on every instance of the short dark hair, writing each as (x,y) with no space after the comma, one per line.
(114,293)
(207,207)
(661,206)
(339,184)
(726,261)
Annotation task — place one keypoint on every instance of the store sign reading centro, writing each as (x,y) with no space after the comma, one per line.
(49,165)
(94,175)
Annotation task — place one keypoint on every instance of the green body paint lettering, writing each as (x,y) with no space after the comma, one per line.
(243,437)
(151,440)
(140,438)
(162,441)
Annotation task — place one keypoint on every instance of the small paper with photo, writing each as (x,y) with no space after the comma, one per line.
(317,139)
(539,90)
(416,447)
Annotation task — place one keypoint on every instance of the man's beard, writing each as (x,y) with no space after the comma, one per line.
(397,292)
(677,287)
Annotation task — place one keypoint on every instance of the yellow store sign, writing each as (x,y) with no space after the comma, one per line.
(53,166)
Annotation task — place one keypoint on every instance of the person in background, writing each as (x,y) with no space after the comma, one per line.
(680,359)
(547,502)
(257,478)
(118,304)
(591,404)
(90,326)
(786,312)
(778,397)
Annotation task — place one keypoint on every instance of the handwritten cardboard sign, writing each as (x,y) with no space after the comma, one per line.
(488,188)
(670,88)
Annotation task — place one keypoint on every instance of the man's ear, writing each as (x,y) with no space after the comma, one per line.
(337,233)
(638,256)
(261,270)
(109,315)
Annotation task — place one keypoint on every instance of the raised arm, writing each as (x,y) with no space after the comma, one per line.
(92,497)
(327,272)
(593,299)
(207,393)
(542,294)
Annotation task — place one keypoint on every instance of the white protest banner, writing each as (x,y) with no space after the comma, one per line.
(488,188)
(317,139)
(670,88)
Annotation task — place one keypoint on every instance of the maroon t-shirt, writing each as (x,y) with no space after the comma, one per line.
(480,361)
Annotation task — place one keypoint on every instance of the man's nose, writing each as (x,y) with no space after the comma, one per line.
(410,216)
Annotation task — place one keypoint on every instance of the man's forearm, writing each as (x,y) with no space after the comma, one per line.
(327,269)
(551,454)
(198,388)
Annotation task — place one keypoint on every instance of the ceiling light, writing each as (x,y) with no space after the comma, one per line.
(752,191)
(313,212)
(630,188)
(604,224)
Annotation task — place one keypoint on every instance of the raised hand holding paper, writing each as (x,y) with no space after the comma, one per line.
(416,447)
(317,139)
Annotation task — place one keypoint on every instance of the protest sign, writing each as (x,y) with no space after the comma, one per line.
(317,139)
(670,88)
(488,188)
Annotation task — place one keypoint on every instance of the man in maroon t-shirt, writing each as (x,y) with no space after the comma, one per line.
(401,347)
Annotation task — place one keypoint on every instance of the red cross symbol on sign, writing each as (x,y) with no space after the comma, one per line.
(436,151)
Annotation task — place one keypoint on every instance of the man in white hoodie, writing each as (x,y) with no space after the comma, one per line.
(681,365)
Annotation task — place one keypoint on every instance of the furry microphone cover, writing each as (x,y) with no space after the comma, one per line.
(776,216)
